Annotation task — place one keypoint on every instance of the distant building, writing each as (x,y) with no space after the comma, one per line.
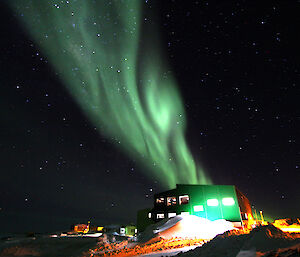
(81,228)
(96,229)
(128,230)
(85,228)
(207,201)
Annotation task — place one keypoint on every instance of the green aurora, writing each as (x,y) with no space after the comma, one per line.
(122,85)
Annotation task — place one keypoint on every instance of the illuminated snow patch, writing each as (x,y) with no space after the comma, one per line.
(193,227)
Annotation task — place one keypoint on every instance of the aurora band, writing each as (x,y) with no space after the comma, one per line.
(117,75)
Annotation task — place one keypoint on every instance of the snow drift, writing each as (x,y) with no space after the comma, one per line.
(189,226)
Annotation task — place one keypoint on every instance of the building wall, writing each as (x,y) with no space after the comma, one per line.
(245,209)
(143,220)
(208,201)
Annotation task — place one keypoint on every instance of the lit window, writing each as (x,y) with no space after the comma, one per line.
(160,215)
(212,202)
(184,199)
(149,215)
(228,201)
(171,200)
(171,214)
(185,213)
(160,200)
(198,208)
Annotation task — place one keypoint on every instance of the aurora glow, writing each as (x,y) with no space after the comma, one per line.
(122,86)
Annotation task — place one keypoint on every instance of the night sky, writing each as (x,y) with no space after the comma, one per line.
(237,67)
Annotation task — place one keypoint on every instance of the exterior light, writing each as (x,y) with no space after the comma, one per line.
(228,201)
(171,214)
(198,208)
(212,202)
(185,213)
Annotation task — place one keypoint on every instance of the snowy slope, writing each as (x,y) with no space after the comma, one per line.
(262,241)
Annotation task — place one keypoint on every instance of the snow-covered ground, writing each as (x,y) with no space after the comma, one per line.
(160,240)
(167,253)
(45,246)
(264,241)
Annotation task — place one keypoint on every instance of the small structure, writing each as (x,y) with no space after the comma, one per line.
(85,228)
(82,228)
(212,202)
(96,229)
(128,230)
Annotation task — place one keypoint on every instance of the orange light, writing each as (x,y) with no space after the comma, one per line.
(251,222)
(262,218)
(286,227)
(120,249)
(100,228)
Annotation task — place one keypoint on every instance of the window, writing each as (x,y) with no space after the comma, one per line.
(228,201)
(149,215)
(185,213)
(160,200)
(171,200)
(160,215)
(198,208)
(171,214)
(184,199)
(212,202)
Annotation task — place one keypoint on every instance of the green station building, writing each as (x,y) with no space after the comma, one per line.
(212,202)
